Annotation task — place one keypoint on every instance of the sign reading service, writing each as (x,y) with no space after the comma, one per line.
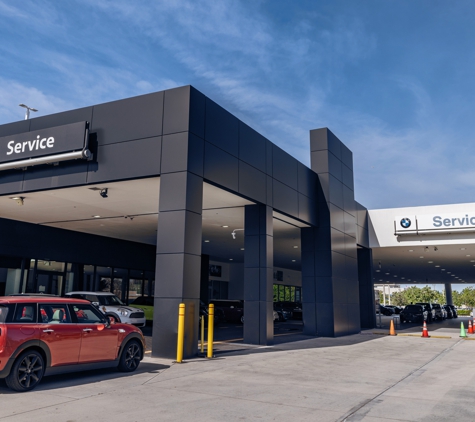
(50,141)
(433,223)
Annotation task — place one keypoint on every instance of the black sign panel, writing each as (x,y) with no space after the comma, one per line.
(39,143)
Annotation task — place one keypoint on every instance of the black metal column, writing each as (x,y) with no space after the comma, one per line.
(366,288)
(178,263)
(258,275)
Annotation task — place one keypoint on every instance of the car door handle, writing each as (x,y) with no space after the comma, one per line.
(87,330)
(48,331)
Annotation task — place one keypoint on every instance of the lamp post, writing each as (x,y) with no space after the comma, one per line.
(27,113)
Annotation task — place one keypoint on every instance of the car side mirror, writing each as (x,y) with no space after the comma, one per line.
(96,304)
(111,320)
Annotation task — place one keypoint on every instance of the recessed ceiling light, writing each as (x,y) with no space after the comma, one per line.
(394,275)
(442,269)
(430,262)
(206,241)
(225,226)
(402,278)
(449,272)
(242,249)
(380,270)
(472,260)
(462,249)
(437,266)
(421,257)
(293,260)
(387,273)
(411,250)
(96,216)
(296,247)
(467,255)
(230,259)
(380,280)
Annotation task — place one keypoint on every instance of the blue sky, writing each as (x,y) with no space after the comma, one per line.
(392,79)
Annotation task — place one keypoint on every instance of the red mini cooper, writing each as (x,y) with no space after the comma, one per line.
(42,336)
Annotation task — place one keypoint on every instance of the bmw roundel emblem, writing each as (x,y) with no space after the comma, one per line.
(405,223)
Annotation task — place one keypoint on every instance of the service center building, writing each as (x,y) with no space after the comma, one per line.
(144,195)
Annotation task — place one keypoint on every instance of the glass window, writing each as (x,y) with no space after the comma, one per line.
(54,314)
(3,314)
(110,300)
(103,279)
(86,314)
(25,312)
(136,284)
(120,282)
(88,278)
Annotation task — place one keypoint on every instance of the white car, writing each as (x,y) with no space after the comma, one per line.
(113,307)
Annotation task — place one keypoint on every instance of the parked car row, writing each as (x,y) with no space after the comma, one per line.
(428,312)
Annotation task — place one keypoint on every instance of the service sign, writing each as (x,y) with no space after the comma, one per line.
(39,143)
(434,223)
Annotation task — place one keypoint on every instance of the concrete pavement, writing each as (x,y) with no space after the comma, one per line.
(364,377)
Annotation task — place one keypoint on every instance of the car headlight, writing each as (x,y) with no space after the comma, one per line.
(124,312)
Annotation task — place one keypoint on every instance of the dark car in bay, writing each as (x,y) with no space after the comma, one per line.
(439,313)
(284,312)
(431,316)
(295,308)
(454,311)
(413,313)
(229,310)
(448,311)
(385,311)
(396,309)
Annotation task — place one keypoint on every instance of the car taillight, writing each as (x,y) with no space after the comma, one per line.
(3,337)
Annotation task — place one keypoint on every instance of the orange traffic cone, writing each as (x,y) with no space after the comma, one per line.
(392,331)
(470,327)
(425,333)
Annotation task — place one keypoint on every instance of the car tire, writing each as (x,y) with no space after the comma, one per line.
(130,357)
(26,372)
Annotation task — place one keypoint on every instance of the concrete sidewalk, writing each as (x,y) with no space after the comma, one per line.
(363,377)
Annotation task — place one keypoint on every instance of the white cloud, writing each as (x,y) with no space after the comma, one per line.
(281,81)
(13,93)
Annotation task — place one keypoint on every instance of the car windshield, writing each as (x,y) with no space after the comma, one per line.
(110,300)
(3,313)
(413,308)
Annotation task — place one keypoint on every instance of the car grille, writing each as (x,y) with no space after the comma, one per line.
(137,315)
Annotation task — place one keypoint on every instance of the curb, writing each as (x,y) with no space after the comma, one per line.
(418,335)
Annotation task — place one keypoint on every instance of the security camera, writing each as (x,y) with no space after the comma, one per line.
(19,200)
(104,193)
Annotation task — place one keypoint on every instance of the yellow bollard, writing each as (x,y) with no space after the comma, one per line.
(210,331)
(181,333)
(202,320)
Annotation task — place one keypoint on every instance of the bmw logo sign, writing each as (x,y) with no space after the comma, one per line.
(405,223)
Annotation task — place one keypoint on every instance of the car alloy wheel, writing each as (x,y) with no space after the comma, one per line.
(27,371)
(130,358)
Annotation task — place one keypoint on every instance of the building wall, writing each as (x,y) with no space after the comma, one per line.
(128,137)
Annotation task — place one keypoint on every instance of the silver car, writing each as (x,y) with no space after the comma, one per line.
(113,307)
